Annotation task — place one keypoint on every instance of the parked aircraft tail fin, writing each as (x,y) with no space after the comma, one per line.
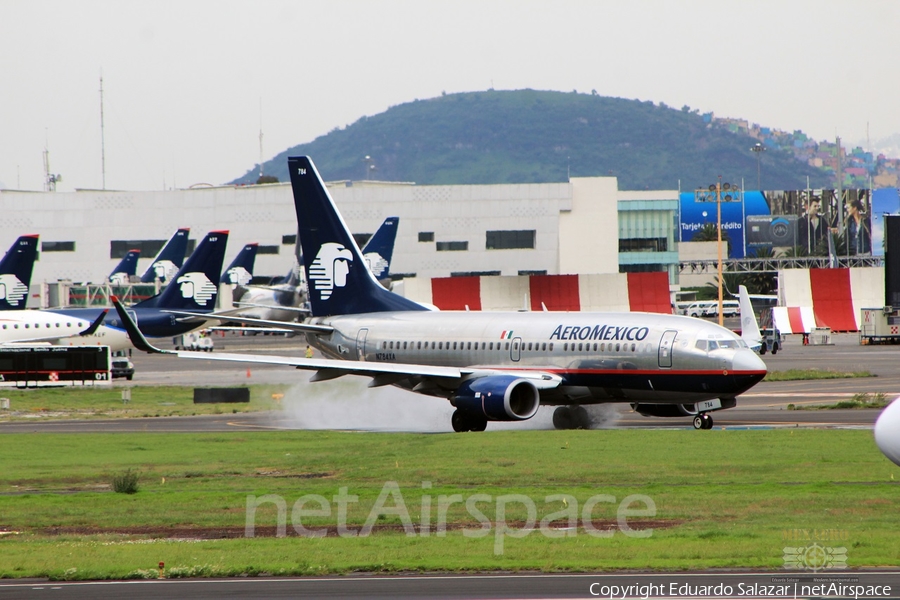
(15,272)
(338,278)
(194,286)
(126,268)
(380,248)
(169,259)
(240,271)
(749,325)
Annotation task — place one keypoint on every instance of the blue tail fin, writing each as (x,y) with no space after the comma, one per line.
(15,272)
(240,271)
(169,259)
(337,276)
(380,248)
(195,286)
(126,268)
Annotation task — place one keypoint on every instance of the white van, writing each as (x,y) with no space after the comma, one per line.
(730,308)
(699,308)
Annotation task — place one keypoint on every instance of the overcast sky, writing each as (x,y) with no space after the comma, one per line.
(184,80)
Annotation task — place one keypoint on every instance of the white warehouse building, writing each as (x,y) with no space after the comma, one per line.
(584,226)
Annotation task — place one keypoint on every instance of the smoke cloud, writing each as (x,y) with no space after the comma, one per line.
(348,403)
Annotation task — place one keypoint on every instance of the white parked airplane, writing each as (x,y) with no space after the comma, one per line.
(887,431)
(495,365)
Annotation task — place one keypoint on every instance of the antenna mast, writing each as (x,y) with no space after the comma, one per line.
(260,140)
(102,136)
(50,180)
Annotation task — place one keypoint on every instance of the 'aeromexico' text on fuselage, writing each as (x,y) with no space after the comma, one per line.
(600,332)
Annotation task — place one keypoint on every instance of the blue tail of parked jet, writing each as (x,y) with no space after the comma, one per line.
(240,271)
(380,248)
(126,268)
(169,259)
(15,272)
(338,278)
(195,286)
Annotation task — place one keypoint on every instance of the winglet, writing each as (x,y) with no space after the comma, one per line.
(137,338)
(96,324)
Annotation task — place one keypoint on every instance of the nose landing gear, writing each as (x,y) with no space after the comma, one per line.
(703,421)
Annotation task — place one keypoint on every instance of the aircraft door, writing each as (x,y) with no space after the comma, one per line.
(515,350)
(361,344)
(666,344)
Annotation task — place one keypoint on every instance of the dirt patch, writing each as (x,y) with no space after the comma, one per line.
(214,533)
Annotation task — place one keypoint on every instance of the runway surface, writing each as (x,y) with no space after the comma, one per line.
(673,585)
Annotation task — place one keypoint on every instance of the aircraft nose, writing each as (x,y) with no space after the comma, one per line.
(747,360)
(887,431)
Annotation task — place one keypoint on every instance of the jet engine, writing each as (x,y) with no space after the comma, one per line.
(498,398)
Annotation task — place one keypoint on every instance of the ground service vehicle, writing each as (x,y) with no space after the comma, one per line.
(47,366)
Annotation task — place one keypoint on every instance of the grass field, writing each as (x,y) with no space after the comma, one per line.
(712,499)
(105,402)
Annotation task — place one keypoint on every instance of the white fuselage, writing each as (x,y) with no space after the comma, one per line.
(600,356)
(44,326)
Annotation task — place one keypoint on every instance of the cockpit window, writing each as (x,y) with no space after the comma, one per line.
(720,343)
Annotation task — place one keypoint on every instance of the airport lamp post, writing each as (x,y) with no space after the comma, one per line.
(758,149)
(715,195)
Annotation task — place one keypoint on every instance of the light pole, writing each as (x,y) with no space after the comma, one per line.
(714,194)
(758,149)
(370,165)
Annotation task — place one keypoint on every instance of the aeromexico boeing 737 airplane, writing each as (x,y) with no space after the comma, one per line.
(496,365)
(193,288)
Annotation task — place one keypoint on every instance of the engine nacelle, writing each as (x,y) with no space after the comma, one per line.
(498,398)
(665,410)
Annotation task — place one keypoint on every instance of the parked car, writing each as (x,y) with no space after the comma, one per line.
(122,367)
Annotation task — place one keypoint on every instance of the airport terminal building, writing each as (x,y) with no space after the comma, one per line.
(584,226)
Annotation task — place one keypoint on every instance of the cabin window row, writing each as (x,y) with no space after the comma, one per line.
(526,346)
(455,345)
(35,325)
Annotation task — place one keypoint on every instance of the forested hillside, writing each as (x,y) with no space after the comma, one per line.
(529,136)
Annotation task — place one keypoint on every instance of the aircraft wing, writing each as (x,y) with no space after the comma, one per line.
(278,325)
(382,373)
(296,309)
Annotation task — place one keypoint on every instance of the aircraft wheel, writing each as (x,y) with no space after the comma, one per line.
(477,424)
(698,422)
(707,421)
(563,418)
(580,417)
(459,421)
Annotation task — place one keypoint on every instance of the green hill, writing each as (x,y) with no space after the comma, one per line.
(529,136)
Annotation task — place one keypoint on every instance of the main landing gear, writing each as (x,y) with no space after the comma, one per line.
(703,421)
(571,417)
(463,421)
